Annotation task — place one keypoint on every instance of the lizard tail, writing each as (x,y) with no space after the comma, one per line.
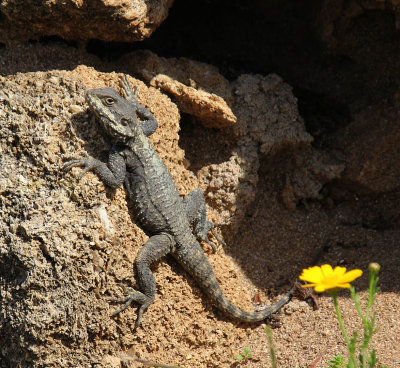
(196,264)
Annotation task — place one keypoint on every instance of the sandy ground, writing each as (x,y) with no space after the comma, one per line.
(272,247)
(284,244)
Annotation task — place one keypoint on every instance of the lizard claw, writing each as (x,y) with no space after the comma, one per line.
(212,245)
(127,90)
(203,236)
(134,296)
(87,163)
(216,236)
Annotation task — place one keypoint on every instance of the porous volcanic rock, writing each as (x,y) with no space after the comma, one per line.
(107,20)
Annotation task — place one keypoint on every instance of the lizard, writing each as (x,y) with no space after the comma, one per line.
(174,225)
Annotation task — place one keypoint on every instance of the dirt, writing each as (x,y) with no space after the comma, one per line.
(67,247)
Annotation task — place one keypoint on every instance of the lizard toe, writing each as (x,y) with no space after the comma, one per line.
(134,296)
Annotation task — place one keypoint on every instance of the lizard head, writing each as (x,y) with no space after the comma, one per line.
(114,113)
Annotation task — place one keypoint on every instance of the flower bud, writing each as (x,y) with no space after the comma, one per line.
(374,267)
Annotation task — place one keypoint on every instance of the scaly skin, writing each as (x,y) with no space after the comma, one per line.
(157,205)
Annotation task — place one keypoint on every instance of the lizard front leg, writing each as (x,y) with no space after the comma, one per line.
(112,175)
(155,248)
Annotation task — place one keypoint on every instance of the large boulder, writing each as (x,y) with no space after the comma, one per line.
(107,20)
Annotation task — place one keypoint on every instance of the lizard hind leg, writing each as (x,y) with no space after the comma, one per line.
(155,248)
(195,206)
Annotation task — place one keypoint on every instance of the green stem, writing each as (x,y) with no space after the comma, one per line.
(352,363)
(356,299)
(339,317)
(371,292)
(271,346)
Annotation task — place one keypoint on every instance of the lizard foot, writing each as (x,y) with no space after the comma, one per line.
(203,236)
(88,163)
(216,236)
(137,297)
(127,91)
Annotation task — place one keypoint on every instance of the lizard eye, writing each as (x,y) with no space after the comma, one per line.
(108,101)
(124,122)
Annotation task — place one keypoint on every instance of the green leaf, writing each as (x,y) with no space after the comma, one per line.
(337,362)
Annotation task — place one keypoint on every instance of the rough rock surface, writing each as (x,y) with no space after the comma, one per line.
(197,88)
(230,186)
(269,129)
(267,111)
(106,20)
(58,236)
(371,149)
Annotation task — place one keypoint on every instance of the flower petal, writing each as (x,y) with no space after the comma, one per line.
(326,270)
(312,274)
(339,271)
(320,288)
(351,275)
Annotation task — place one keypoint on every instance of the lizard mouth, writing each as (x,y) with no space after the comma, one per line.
(113,129)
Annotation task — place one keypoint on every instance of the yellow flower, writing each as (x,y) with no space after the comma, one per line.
(325,278)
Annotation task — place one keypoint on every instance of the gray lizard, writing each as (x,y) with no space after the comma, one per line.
(158,208)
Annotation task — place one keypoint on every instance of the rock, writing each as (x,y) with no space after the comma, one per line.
(371,150)
(269,128)
(56,244)
(210,109)
(267,112)
(312,170)
(230,186)
(107,20)
(197,88)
